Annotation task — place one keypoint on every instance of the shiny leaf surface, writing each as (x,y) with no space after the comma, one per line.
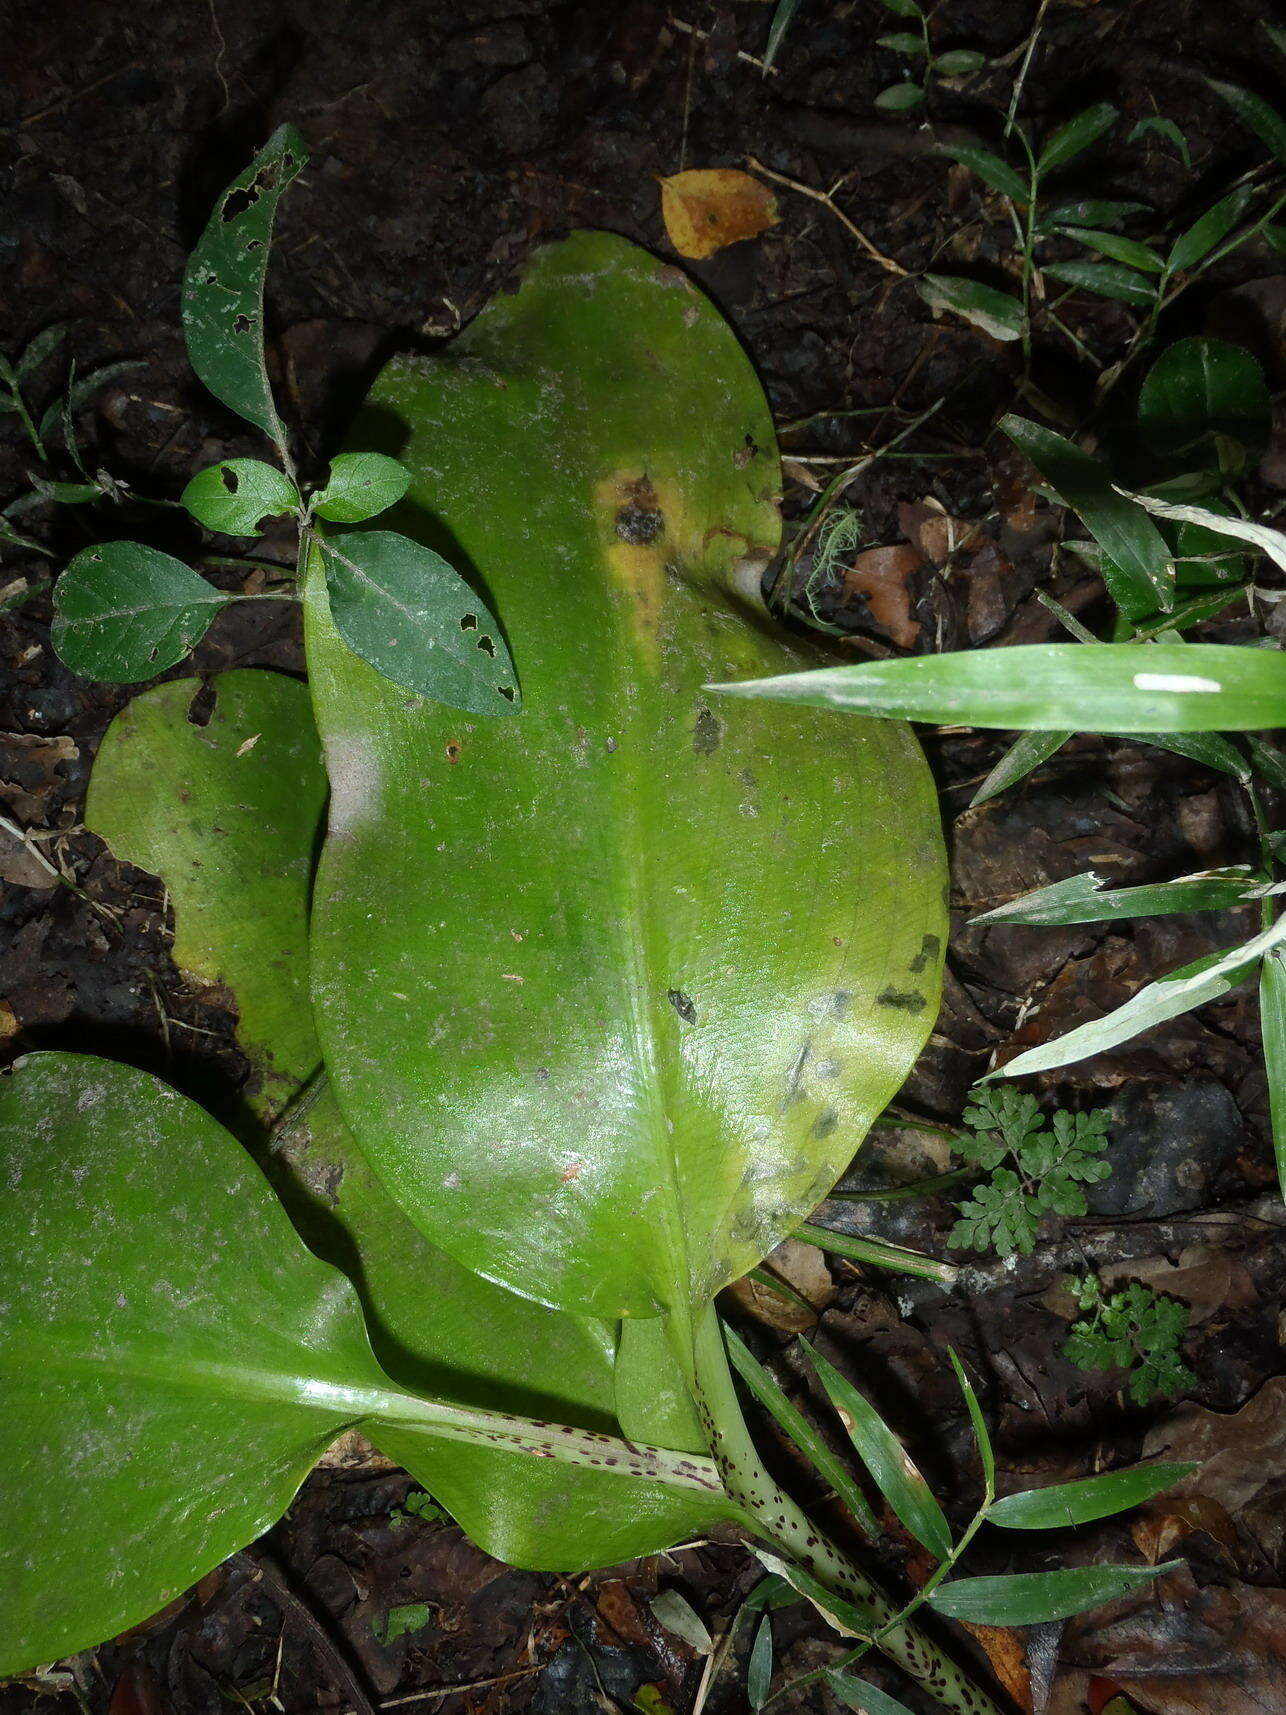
(611,991)
(125,612)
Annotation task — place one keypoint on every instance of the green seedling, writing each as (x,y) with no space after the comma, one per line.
(925,63)
(1033,1168)
(1136,1330)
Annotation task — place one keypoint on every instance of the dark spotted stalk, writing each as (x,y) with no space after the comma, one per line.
(785,1528)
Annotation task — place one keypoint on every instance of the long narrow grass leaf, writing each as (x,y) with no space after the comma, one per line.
(1083,899)
(1272,1021)
(878,1254)
(1032,1598)
(1062,1504)
(796,1426)
(885,1458)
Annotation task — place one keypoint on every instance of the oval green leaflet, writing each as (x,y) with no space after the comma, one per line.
(647,969)
(125,612)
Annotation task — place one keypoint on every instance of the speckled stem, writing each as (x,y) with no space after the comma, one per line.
(784,1527)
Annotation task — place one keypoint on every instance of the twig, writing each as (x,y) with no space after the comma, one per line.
(826,200)
(701,35)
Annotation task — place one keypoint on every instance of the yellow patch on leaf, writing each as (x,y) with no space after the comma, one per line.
(711,207)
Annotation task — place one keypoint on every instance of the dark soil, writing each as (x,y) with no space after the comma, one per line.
(446,140)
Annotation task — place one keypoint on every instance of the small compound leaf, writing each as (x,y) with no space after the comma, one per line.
(996,313)
(1201,387)
(899,98)
(360,486)
(410,614)
(1032,1598)
(1212,228)
(236,495)
(1106,280)
(1254,112)
(1193,985)
(885,1458)
(708,208)
(865,1699)
(124,612)
(1272,1021)
(1140,576)
(1162,688)
(998,174)
(1074,137)
(223,284)
(1090,1498)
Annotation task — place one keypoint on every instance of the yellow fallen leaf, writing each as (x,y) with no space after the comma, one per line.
(710,207)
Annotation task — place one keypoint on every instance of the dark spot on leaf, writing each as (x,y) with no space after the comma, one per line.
(682,1004)
(840,1003)
(639,525)
(905,1000)
(201,707)
(928,950)
(453,752)
(824,1124)
(707,733)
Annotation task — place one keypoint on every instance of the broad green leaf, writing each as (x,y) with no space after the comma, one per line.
(1212,228)
(1193,985)
(1255,113)
(1089,1498)
(759,1666)
(866,1699)
(1032,1598)
(409,613)
(223,284)
(177,1359)
(981,1435)
(572,935)
(1127,250)
(763,1385)
(360,486)
(902,42)
(900,98)
(1272,1021)
(1204,387)
(996,313)
(1087,211)
(124,612)
(236,495)
(1082,899)
(1106,280)
(959,62)
(903,8)
(1024,755)
(1262,536)
(1076,136)
(1119,688)
(227,814)
(782,19)
(885,1458)
(1140,576)
(878,1254)
(990,169)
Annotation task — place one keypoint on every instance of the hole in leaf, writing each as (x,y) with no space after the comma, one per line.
(254,244)
(507,692)
(229,478)
(487,646)
(236,203)
(201,707)
(243,324)
(469,622)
